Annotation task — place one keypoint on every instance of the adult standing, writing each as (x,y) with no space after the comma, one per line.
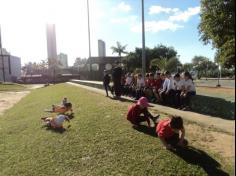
(116,78)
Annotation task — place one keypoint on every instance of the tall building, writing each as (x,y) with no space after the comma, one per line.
(10,67)
(63,60)
(51,43)
(101,48)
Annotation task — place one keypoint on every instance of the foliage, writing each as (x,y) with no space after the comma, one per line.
(134,59)
(80,62)
(218,27)
(203,66)
(187,67)
(164,64)
(159,63)
(119,49)
(35,68)
(173,65)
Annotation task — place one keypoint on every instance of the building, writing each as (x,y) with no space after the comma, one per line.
(63,60)
(51,43)
(10,67)
(101,48)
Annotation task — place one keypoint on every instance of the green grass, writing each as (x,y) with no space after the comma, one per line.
(11,87)
(99,142)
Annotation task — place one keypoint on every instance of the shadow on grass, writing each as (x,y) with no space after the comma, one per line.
(191,155)
(213,106)
(55,130)
(198,157)
(146,130)
(122,99)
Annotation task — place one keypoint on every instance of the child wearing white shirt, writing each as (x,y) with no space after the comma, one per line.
(178,84)
(56,122)
(167,91)
(189,90)
(140,84)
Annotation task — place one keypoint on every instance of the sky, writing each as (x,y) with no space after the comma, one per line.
(169,22)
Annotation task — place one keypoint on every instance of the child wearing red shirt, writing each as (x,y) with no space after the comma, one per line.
(171,132)
(158,85)
(135,111)
(149,86)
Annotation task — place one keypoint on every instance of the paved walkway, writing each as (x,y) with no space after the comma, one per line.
(227,126)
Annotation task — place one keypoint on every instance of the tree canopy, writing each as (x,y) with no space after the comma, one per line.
(133,59)
(217,27)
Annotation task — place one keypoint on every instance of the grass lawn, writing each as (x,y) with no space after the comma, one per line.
(11,87)
(214,82)
(99,142)
(218,102)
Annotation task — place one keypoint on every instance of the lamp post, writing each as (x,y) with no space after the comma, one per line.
(143,42)
(90,61)
(2,56)
(219,75)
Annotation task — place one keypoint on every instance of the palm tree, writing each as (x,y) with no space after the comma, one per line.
(160,63)
(119,49)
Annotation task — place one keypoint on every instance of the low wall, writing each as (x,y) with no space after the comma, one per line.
(95,84)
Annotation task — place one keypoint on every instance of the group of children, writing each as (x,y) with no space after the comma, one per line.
(170,130)
(61,113)
(162,88)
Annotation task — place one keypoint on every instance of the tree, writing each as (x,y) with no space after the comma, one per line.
(159,63)
(164,64)
(119,49)
(187,67)
(133,59)
(173,65)
(80,62)
(203,66)
(217,27)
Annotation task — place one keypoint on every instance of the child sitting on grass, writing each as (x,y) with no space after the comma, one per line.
(135,111)
(56,122)
(171,132)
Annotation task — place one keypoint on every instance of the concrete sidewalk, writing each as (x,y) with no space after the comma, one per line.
(227,126)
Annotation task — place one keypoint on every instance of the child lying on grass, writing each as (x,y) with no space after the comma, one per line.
(171,132)
(135,111)
(56,122)
(62,109)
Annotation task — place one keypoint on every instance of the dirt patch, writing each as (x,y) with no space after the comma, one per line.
(220,143)
(8,99)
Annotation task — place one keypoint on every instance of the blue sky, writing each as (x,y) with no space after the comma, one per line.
(169,22)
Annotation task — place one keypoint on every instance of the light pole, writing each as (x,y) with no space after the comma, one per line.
(1,54)
(219,75)
(143,42)
(90,61)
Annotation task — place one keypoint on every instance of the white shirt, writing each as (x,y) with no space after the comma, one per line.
(189,83)
(59,120)
(140,83)
(168,84)
(178,84)
(128,81)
